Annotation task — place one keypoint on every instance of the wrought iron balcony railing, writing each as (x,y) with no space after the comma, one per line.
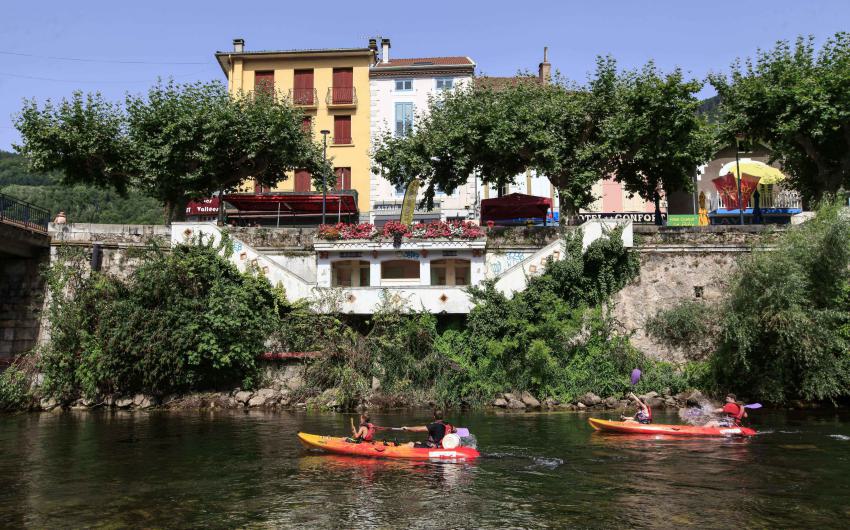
(304,97)
(341,95)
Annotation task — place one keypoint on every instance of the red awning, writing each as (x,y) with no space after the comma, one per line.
(292,203)
(514,206)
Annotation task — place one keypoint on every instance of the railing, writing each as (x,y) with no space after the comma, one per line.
(768,198)
(306,97)
(23,214)
(341,95)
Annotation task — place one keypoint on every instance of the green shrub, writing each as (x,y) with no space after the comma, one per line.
(688,325)
(185,319)
(785,318)
(14,389)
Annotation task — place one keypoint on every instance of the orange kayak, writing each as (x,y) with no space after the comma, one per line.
(379,450)
(626,427)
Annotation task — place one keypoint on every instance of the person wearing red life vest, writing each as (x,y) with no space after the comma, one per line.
(732,413)
(365,432)
(644,413)
(436,431)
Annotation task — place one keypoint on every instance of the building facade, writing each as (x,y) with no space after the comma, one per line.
(401,92)
(331,86)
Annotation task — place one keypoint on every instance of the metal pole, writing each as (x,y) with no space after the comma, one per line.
(325,133)
(738,169)
(278,214)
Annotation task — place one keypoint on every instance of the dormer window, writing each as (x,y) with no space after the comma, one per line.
(403,85)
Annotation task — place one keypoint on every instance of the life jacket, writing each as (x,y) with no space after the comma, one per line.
(738,416)
(370,431)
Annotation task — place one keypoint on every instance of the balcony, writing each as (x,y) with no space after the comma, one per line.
(341,97)
(304,97)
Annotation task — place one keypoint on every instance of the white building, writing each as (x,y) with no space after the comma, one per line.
(400,92)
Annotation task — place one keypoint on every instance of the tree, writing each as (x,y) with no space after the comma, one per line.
(797,101)
(498,131)
(656,137)
(640,126)
(179,142)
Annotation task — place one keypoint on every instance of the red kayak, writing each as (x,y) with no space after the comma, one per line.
(379,450)
(627,427)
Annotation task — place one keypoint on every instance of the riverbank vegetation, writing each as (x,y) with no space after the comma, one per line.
(782,330)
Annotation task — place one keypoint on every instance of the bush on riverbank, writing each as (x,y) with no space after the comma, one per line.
(14,389)
(185,319)
(784,324)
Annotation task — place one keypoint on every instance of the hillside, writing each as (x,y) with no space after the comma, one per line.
(81,204)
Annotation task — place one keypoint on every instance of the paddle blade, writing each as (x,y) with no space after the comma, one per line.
(753,406)
(635,376)
(462,431)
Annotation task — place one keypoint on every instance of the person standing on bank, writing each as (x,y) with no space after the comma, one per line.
(436,431)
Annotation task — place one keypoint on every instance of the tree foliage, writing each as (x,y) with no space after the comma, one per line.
(784,327)
(641,125)
(183,320)
(176,143)
(796,99)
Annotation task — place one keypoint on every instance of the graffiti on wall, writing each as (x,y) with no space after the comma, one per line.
(499,263)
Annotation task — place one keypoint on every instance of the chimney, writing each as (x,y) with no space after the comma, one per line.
(373,44)
(385,50)
(544,70)
(238,45)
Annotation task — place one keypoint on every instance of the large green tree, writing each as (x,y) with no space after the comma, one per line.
(655,136)
(796,99)
(176,143)
(640,126)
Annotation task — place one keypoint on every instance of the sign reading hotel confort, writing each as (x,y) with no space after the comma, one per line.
(636,217)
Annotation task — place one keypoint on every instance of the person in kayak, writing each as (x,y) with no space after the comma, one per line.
(732,413)
(643,415)
(436,431)
(365,432)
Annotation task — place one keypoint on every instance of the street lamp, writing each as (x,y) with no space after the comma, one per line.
(325,134)
(738,138)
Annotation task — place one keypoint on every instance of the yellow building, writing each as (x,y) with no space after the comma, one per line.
(332,87)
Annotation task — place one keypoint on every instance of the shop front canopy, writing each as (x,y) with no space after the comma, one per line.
(515,206)
(292,204)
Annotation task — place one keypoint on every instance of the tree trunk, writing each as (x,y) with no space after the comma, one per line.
(567,210)
(657,199)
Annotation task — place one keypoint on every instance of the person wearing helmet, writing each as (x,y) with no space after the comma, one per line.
(436,430)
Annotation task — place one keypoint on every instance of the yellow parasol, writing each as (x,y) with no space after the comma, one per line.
(767,174)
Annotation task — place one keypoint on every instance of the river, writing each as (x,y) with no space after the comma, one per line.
(234,469)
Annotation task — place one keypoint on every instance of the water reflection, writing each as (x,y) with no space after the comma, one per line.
(224,469)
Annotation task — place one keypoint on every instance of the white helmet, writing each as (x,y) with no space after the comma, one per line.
(450,441)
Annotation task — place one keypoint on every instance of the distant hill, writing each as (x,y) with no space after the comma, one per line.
(709,107)
(81,204)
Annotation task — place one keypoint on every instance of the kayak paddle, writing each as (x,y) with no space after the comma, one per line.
(635,376)
(753,406)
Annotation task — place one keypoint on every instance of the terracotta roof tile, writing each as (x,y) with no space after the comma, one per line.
(427,61)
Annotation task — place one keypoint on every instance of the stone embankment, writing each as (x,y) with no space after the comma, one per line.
(591,402)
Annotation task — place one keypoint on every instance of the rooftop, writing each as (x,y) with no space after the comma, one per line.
(427,61)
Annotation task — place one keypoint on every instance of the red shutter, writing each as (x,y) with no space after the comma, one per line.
(303,93)
(342,129)
(343,178)
(302,180)
(343,85)
(264,81)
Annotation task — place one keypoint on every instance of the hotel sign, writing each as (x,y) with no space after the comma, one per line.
(635,217)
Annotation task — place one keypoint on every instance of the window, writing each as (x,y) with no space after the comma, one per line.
(400,190)
(445,83)
(342,130)
(264,81)
(403,85)
(400,271)
(350,273)
(307,124)
(403,119)
(450,272)
(302,180)
(343,86)
(343,178)
(303,92)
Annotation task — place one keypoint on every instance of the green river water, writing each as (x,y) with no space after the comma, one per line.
(235,469)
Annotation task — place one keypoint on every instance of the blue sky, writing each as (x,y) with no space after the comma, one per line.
(501,36)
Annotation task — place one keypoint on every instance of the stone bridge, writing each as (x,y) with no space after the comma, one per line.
(24,248)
